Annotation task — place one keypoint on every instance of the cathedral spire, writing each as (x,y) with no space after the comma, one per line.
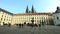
(32,9)
(27,10)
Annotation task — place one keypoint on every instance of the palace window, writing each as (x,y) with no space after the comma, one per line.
(2,15)
(57,18)
(1,18)
(4,19)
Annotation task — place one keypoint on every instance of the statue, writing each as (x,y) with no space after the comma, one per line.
(58,10)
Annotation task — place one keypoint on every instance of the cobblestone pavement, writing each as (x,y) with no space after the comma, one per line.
(47,29)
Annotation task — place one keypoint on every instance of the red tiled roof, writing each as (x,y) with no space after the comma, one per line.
(32,14)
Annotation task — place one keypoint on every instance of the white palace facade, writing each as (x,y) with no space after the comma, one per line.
(56,16)
(7,17)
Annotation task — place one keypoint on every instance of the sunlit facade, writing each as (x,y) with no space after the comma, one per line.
(47,18)
(7,17)
(38,18)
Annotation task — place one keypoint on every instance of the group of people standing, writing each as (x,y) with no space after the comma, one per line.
(30,25)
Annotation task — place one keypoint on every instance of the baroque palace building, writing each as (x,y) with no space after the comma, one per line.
(27,17)
(5,17)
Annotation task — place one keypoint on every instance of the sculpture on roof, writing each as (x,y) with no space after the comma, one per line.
(58,7)
(58,10)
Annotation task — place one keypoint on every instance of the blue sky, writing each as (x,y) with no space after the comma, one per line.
(19,6)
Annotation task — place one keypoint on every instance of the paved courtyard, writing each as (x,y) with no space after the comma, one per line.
(47,29)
